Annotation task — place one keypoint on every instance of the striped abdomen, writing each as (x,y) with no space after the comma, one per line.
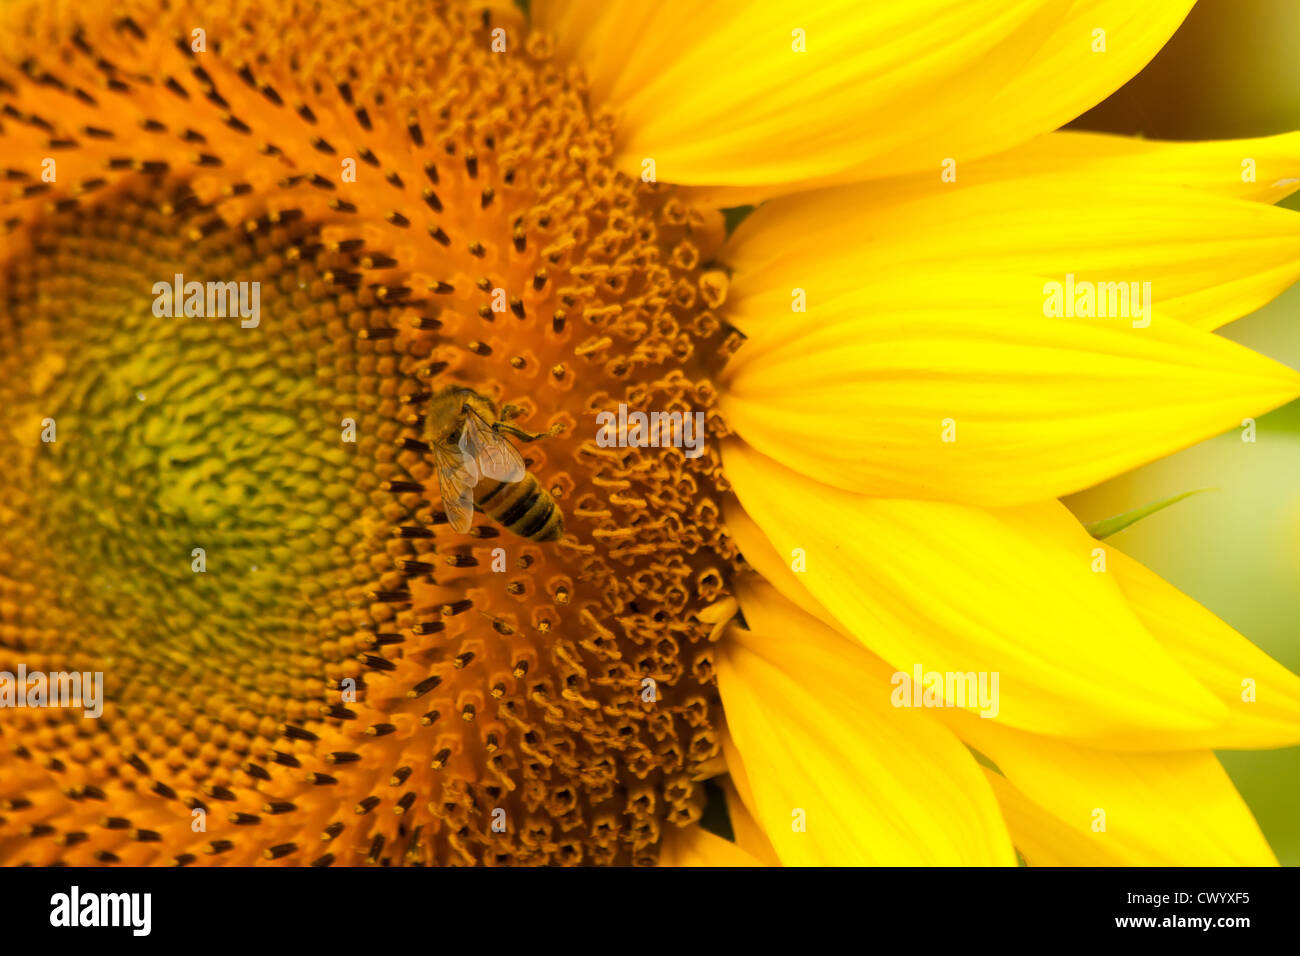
(524,507)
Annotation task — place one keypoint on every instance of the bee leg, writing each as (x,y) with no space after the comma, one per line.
(522,435)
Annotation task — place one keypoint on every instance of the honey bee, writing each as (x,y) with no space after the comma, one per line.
(477,465)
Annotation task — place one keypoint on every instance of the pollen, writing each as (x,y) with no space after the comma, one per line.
(241,247)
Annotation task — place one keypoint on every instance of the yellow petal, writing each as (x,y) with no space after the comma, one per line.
(960,388)
(696,846)
(838,775)
(1041,838)
(1158,809)
(1075,69)
(1263,169)
(952,588)
(1261,696)
(717,94)
(749,835)
(761,555)
(1209,258)
(736,771)
(1214,654)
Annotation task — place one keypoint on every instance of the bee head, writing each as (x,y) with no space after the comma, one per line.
(472,401)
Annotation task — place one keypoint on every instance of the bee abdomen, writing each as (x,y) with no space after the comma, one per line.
(523,507)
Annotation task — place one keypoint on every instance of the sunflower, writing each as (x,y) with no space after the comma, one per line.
(239,517)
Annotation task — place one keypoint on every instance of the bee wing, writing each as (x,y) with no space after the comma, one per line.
(457,476)
(496,457)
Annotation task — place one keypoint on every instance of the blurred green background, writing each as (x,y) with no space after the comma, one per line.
(1230,71)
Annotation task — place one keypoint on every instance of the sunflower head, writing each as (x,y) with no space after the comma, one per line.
(238,519)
